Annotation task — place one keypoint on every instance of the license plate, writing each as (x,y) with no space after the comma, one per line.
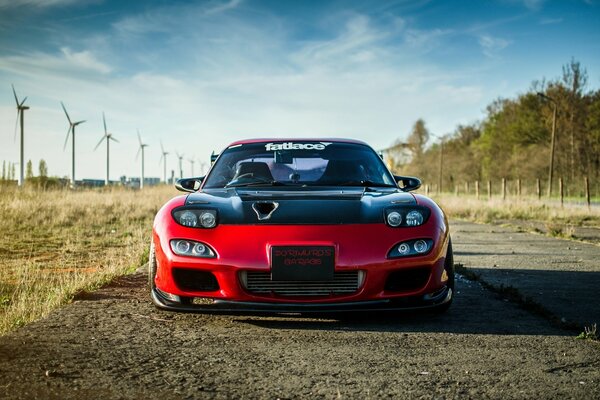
(302,263)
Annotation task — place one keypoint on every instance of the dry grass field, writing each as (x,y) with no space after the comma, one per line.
(56,243)
(571,221)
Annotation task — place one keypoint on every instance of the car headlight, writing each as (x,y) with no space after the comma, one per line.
(406,216)
(394,218)
(183,247)
(416,247)
(194,218)
(414,218)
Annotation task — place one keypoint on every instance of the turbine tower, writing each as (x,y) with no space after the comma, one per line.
(180,157)
(108,137)
(21,107)
(192,161)
(71,130)
(141,150)
(163,159)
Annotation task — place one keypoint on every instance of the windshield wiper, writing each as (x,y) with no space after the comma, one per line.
(365,183)
(255,183)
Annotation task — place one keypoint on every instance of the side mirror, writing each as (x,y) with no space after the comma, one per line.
(407,183)
(189,184)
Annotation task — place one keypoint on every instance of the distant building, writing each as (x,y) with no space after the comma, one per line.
(134,181)
(396,155)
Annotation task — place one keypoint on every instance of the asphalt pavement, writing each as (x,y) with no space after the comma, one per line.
(562,276)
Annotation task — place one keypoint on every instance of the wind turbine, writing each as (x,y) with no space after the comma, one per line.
(180,156)
(163,158)
(20,109)
(141,150)
(72,126)
(192,161)
(108,137)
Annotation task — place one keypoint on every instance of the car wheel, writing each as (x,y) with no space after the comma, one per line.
(449,268)
(152,266)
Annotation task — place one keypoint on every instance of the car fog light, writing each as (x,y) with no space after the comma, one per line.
(414,218)
(182,246)
(403,248)
(394,218)
(188,218)
(208,220)
(420,246)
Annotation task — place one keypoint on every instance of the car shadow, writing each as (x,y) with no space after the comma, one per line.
(475,310)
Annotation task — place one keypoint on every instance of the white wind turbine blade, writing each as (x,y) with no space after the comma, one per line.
(100,142)
(104,122)
(67,138)
(17,124)
(15,93)
(66,113)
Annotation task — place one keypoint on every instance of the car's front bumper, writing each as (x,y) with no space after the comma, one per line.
(428,301)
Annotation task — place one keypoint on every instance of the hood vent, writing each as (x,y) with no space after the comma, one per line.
(264,209)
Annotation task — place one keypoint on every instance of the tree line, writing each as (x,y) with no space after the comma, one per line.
(513,141)
(42,180)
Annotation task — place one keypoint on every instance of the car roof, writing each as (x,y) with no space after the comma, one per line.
(278,140)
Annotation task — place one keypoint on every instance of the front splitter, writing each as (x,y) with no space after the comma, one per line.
(441,298)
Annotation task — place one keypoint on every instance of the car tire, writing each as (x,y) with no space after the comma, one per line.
(449,268)
(152,266)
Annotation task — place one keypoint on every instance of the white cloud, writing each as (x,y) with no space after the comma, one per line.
(425,39)
(231,79)
(491,45)
(84,60)
(80,64)
(222,7)
(533,4)
(42,3)
(551,21)
(356,40)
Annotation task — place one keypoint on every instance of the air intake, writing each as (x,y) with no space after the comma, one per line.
(264,209)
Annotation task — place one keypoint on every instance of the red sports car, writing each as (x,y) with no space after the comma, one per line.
(299,225)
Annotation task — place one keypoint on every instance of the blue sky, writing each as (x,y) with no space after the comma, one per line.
(198,75)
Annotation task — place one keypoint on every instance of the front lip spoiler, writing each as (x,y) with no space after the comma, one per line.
(234,307)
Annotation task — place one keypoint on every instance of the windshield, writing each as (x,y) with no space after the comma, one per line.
(299,163)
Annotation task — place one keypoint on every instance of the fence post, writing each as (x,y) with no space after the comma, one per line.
(427,190)
(519,188)
(467,188)
(561,189)
(503,188)
(538,188)
(587,191)
(489,187)
(477,189)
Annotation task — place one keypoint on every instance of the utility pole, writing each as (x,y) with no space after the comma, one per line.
(441,162)
(553,140)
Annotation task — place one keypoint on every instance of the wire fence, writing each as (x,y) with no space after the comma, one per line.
(582,191)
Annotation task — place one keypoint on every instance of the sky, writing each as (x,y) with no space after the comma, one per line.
(197,75)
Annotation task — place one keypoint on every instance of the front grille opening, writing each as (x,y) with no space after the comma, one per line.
(343,283)
(195,281)
(407,280)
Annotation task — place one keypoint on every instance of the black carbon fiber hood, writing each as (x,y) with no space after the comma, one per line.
(300,205)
